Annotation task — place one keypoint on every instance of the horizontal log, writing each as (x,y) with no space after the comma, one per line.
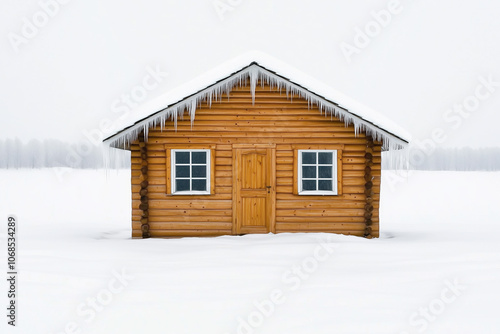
(247,104)
(157,154)
(314,117)
(191,212)
(346,190)
(233,122)
(284,173)
(223,190)
(338,198)
(354,160)
(359,167)
(319,204)
(188,226)
(223,153)
(159,196)
(288,167)
(320,212)
(193,204)
(284,160)
(187,233)
(156,167)
(224,168)
(187,218)
(321,226)
(223,161)
(257,110)
(347,181)
(347,219)
(159,137)
(257,139)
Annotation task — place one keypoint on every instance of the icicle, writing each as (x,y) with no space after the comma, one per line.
(254,76)
(192,112)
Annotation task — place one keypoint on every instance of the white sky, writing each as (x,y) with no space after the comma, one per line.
(430,57)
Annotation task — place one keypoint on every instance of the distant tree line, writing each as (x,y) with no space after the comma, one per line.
(56,153)
(460,159)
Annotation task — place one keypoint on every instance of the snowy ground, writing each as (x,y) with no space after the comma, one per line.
(436,268)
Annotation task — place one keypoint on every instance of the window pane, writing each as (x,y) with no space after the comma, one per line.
(199,171)
(200,185)
(199,157)
(325,185)
(325,172)
(309,172)
(308,184)
(181,157)
(182,171)
(325,158)
(182,185)
(308,157)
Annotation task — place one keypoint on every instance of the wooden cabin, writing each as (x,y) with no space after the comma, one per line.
(250,149)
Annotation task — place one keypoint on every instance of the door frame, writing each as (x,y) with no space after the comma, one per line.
(271,200)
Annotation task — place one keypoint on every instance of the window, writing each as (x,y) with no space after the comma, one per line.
(317,172)
(190,171)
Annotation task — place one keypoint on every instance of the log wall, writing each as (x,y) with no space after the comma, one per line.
(273,118)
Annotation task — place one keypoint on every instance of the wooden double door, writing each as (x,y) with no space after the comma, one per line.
(254,188)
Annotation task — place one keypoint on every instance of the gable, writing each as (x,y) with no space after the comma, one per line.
(173,106)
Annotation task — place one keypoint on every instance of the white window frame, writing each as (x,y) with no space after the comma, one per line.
(334,190)
(173,184)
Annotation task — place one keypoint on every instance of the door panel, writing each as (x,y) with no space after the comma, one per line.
(254,187)
(253,211)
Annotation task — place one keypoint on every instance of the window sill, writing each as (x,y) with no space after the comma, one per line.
(190,193)
(318,193)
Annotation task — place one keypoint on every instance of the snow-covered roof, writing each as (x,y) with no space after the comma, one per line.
(257,66)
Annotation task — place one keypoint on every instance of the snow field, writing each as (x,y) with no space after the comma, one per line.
(435,268)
